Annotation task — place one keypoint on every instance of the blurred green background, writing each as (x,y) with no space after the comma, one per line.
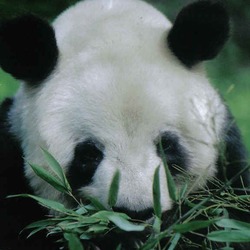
(229,72)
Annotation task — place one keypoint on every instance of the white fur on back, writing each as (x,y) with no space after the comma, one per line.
(117,81)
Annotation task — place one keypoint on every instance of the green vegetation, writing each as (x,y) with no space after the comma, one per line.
(205,218)
(8,85)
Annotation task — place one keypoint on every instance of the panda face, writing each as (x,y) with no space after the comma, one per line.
(119,88)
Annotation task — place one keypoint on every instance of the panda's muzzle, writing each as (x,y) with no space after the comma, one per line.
(136,215)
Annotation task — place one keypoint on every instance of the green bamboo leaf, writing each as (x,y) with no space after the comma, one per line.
(124,224)
(97,204)
(73,227)
(87,220)
(104,215)
(192,226)
(81,210)
(234,224)
(33,232)
(57,169)
(97,229)
(157,193)
(49,178)
(244,197)
(157,224)
(40,224)
(50,204)
(174,241)
(170,179)
(114,189)
(150,244)
(74,242)
(120,220)
(85,236)
(183,191)
(230,236)
(119,247)
(170,183)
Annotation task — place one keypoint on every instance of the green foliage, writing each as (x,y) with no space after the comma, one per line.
(114,188)
(170,180)
(80,226)
(55,177)
(50,204)
(74,242)
(234,231)
(238,236)
(192,226)
(156,193)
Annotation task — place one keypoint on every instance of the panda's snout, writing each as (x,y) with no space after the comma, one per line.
(137,215)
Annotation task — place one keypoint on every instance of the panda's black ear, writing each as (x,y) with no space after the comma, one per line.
(199,32)
(28,49)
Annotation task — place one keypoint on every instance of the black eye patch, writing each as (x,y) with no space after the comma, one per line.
(81,170)
(176,155)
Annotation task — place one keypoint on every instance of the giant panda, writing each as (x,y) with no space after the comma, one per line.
(100,89)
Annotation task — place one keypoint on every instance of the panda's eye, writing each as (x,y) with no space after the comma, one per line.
(87,158)
(176,155)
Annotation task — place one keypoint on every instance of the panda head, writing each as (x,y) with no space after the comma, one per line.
(105,85)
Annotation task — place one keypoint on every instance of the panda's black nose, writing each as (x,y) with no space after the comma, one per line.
(137,215)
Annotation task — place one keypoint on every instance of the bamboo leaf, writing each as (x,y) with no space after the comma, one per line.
(50,204)
(81,210)
(124,224)
(41,223)
(170,180)
(74,242)
(85,236)
(114,189)
(150,244)
(174,241)
(230,236)
(119,247)
(97,229)
(234,224)
(157,224)
(192,226)
(157,193)
(170,183)
(56,168)
(120,220)
(104,215)
(49,178)
(97,204)
(34,231)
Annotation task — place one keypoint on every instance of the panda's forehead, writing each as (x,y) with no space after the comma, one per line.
(108,104)
(112,104)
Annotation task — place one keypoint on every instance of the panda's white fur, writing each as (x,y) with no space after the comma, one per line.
(116,81)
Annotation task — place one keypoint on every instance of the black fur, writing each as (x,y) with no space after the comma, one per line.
(16,213)
(199,32)
(233,156)
(28,49)
(176,155)
(87,158)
